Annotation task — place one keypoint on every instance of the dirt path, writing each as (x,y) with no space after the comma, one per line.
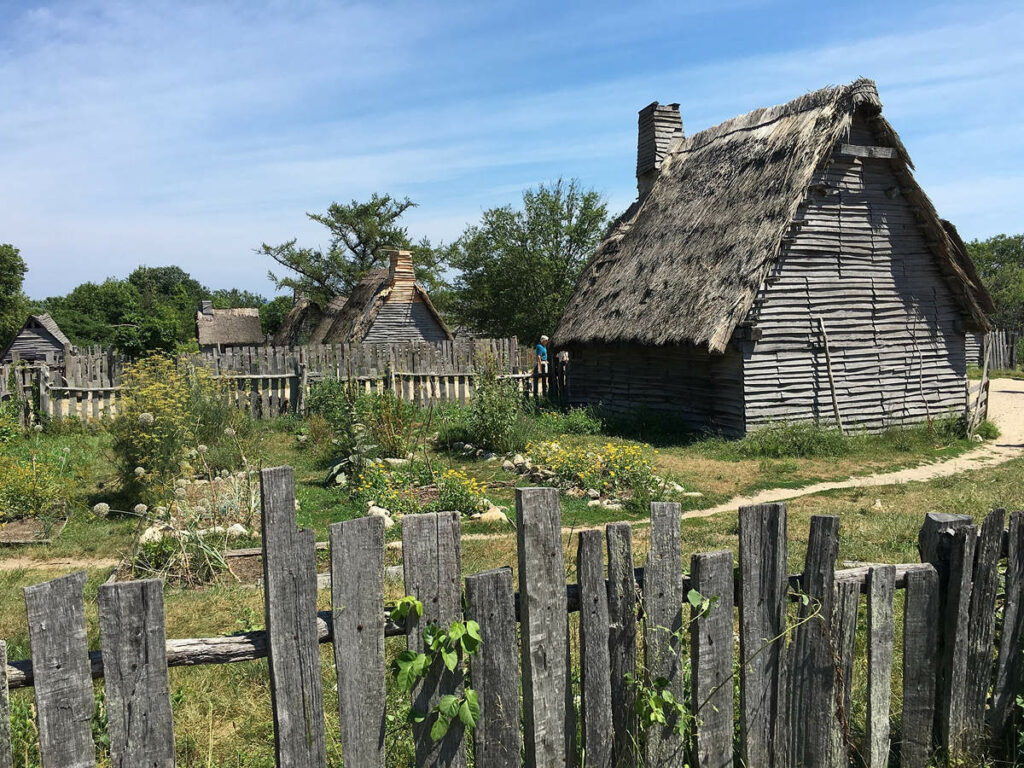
(1006,410)
(20,562)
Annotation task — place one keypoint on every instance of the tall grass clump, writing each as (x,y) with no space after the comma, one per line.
(792,440)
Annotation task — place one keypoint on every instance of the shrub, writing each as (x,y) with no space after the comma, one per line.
(387,489)
(574,421)
(987,430)
(38,485)
(458,492)
(9,426)
(335,402)
(391,423)
(496,419)
(792,440)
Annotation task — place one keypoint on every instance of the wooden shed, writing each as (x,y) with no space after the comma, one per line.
(780,266)
(39,340)
(387,305)
(221,328)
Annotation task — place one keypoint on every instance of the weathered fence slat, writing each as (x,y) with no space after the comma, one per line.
(881,632)
(63,682)
(595,659)
(711,647)
(981,627)
(812,677)
(289,577)
(844,634)
(357,618)
(951,700)
(432,568)
(6,758)
(490,602)
(1010,664)
(663,611)
(542,614)
(764,588)
(138,697)
(622,640)
(920,636)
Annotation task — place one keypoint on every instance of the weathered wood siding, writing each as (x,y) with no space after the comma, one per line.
(405,321)
(860,262)
(34,343)
(689,385)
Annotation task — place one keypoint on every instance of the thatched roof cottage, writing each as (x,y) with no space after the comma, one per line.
(387,305)
(220,328)
(770,263)
(39,340)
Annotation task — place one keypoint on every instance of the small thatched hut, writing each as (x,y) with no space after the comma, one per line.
(39,340)
(766,258)
(387,305)
(220,328)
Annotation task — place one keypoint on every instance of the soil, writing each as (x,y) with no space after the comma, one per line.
(30,530)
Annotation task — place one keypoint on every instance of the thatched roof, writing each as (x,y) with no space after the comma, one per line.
(684,264)
(50,325)
(963,259)
(229,327)
(307,322)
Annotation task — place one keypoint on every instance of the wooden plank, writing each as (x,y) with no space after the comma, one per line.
(6,758)
(490,601)
(357,618)
(764,588)
(138,697)
(711,660)
(542,608)
(981,625)
(920,635)
(861,151)
(1010,663)
(881,632)
(812,678)
(595,658)
(432,569)
(60,661)
(290,586)
(844,633)
(951,701)
(663,601)
(622,640)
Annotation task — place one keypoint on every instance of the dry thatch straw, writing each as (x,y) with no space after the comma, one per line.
(684,264)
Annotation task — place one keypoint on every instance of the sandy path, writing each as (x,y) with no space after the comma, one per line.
(1006,410)
(20,562)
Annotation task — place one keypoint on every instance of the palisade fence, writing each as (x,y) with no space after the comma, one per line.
(269,381)
(1001,348)
(796,648)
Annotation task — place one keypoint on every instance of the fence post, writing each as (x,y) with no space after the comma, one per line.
(357,615)
(433,574)
(663,609)
(289,578)
(490,602)
(1010,664)
(764,590)
(951,703)
(62,673)
(881,631)
(595,657)
(542,613)
(844,635)
(622,639)
(711,666)
(138,699)
(812,678)
(981,626)
(6,758)
(920,637)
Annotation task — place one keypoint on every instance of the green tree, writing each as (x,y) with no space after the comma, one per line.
(96,313)
(1000,263)
(273,313)
(14,304)
(360,232)
(518,268)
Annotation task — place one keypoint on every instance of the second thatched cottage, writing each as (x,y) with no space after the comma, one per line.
(781,266)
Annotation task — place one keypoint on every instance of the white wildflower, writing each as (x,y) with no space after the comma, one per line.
(101,509)
(139,471)
(201,448)
(37,428)
(146,418)
(180,492)
(229,432)
(140,509)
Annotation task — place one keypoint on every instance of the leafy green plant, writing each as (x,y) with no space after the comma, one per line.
(459,492)
(37,485)
(792,440)
(390,421)
(390,489)
(496,418)
(573,421)
(9,427)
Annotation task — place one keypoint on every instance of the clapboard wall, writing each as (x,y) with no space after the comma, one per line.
(695,389)
(859,261)
(405,321)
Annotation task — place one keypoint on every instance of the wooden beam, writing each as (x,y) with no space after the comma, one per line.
(861,151)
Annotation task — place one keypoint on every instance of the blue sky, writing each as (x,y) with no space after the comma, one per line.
(149,133)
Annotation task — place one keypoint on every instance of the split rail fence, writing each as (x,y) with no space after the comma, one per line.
(796,649)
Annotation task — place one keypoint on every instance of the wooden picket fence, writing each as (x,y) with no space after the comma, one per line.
(796,646)
(1000,345)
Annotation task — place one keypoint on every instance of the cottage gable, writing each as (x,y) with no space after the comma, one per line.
(39,339)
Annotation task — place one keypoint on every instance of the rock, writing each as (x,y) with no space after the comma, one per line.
(536,477)
(475,516)
(611,504)
(393,573)
(493,515)
(528,464)
(693,494)
(877,504)
(376,511)
(576,493)
(547,474)
(479,452)
(388,523)
(237,531)
(468,448)
(302,438)
(489,456)
(593,493)
(215,530)
(508,466)
(977,438)
(396,462)
(674,486)
(594,503)
(518,459)
(458,446)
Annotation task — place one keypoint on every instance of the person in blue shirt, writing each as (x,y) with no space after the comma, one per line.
(542,355)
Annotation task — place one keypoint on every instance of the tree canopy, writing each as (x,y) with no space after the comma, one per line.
(13,302)
(360,233)
(1000,263)
(518,267)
